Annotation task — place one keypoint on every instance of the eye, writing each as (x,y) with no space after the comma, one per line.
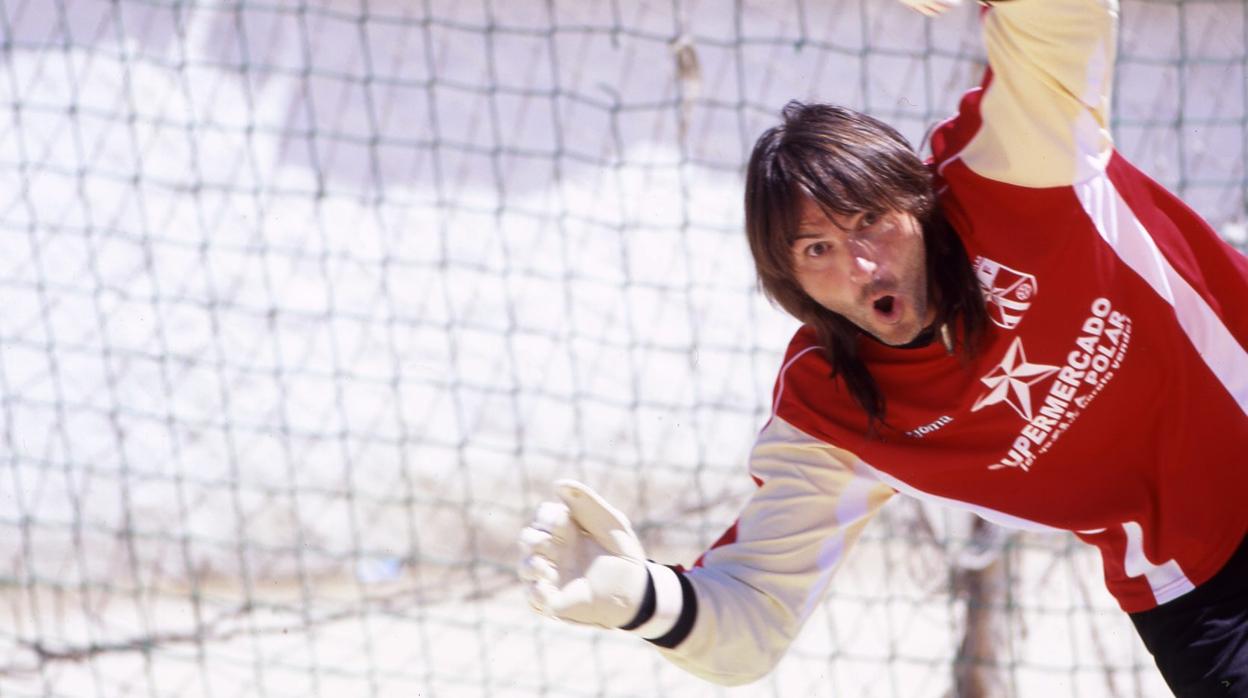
(817,249)
(869,218)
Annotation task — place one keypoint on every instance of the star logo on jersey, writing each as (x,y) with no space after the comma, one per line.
(1011,381)
(1007,291)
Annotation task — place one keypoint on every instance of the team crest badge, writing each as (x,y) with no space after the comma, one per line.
(1007,291)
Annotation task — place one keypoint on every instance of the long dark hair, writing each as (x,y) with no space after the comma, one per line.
(848,163)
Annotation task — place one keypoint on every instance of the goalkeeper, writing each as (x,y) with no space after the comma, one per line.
(1024,327)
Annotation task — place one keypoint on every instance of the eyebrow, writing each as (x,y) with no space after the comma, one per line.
(806,235)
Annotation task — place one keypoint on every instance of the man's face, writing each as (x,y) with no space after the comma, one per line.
(869,268)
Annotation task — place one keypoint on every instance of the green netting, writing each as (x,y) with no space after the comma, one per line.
(304,304)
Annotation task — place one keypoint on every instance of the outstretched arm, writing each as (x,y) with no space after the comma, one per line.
(756,588)
(730,618)
(1041,118)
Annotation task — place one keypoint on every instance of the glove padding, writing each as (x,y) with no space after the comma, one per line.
(931,8)
(582,560)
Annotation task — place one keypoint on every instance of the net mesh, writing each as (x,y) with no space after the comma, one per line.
(305,304)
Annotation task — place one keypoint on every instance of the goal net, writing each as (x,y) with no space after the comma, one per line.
(303,305)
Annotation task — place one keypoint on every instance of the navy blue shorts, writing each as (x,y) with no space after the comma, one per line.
(1200,640)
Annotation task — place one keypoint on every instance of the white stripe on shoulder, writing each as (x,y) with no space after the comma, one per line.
(784,371)
(1126,235)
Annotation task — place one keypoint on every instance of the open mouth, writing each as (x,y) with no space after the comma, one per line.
(887,309)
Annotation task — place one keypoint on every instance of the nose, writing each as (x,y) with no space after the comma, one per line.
(862,264)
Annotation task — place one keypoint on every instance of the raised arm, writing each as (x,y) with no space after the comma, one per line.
(1041,118)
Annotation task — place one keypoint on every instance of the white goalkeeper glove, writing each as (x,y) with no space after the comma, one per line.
(582,560)
(931,8)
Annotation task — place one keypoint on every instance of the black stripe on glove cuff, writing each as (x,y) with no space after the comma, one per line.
(688,614)
(648,603)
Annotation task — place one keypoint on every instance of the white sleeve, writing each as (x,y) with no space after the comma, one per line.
(744,604)
(1045,106)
